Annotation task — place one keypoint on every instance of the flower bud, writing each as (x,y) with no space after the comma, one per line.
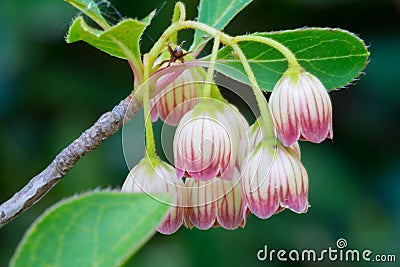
(178,97)
(216,202)
(252,139)
(159,177)
(231,204)
(301,110)
(202,196)
(271,184)
(207,140)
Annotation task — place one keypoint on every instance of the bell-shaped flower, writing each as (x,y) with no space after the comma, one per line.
(207,140)
(231,203)
(178,96)
(156,176)
(301,109)
(201,210)
(252,139)
(274,180)
(216,202)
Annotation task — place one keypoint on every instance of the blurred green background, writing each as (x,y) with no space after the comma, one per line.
(50,92)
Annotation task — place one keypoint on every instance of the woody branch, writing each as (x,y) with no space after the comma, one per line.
(107,125)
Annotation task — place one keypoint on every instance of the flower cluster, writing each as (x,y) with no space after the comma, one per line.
(223,168)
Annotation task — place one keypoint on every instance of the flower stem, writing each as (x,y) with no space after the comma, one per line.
(225,39)
(293,65)
(211,68)
(290,57)
(150,143)
(267,123)
(180,25)
(179,12)
(179,15)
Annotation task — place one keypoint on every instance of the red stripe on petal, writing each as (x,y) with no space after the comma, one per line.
(285,113)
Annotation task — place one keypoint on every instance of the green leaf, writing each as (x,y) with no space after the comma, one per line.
(335,56)
(95,229)
(121,40)
(90,9)
(216,13)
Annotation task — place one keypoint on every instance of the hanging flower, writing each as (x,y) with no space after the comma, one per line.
(274,180)
(252,139)
(156,176)
(301,110)
(207,140)
(216,202)
(201,211)
(178,97)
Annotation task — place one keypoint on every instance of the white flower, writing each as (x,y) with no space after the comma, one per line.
(155,176)
(302,110)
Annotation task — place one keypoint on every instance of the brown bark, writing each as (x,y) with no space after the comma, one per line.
(107,125)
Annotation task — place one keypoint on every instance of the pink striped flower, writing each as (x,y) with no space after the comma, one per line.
(201,210)
(272,184)
(252,139)
(301,110)
(207,140)
(155,176)
(178,97)
(216,202)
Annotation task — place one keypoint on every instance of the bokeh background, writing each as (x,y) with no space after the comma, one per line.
(50,92)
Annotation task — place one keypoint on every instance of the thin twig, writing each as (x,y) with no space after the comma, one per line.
(107,125)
